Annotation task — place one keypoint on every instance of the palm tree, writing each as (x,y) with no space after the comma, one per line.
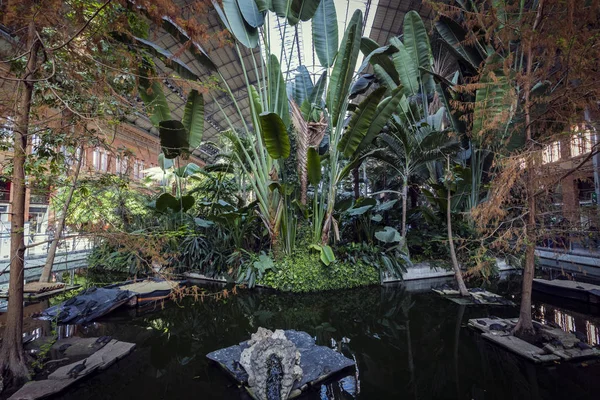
(412,150)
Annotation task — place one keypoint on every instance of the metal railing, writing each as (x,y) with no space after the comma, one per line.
(39,244)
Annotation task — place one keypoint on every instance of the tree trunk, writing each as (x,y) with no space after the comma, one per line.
(404,196)
(45,277)
(524,327)
(356,182)
(457,273)
(13,369)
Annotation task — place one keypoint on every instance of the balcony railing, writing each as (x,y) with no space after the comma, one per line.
(39,199)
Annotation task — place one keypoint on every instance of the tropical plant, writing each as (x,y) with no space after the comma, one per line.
(416,138)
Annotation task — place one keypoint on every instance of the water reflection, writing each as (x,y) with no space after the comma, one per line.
(406,345)
(584,326)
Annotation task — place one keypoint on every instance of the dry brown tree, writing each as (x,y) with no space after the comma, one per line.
(537,82)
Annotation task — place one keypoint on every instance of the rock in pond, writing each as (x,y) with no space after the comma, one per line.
(311,364)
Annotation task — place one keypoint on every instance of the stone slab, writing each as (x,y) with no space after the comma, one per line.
(561,345)
(521,347)
(42,389)
(478,297)
(317,362)
(60,379)
(75,346)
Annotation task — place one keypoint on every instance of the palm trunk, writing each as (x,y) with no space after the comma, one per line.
(457,273)
(524,326)
(13,369)
(404,196)
(356,182)
(45,277)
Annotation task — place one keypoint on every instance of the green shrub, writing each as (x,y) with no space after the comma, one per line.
(304,272)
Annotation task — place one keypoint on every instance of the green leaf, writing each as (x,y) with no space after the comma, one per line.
(187,170)
(386,205)
(186,203)
(455,35)
(244,33)
(303,85)
(343,69)
(256,99)
(278,100)
(383,77)
(358,210)
(173,138)
(417,44)
(274,135)
(313,165)
(407,68)
(304,9)
(316,94)
(263,5)
(376,55)
(385,109)
(493,104)
(203,223)
(164,163)
(283,9)
(327,256)
(166,200)
(388,235)
(193,119)
(360,122)
(251,13)
(325,33)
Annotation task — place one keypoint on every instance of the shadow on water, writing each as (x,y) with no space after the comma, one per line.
(406,345)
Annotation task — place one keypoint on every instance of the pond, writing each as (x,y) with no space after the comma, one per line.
(406,345)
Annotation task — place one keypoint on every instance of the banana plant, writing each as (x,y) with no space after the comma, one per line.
(417,138)
(315,118)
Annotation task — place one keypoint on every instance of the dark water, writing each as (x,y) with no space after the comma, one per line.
(407,346)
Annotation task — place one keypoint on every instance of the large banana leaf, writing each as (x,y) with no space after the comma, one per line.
(193,118)
(263,5)
(384,111)
(493,107)
(316,95)
(244,33)
(274,135)
(325,33)
(304,9)
(455,35)
(283,9)
(417,44)
(313,166)
(407,69)
(278,100)
(251,13)
(303,85)
(173,138)
(376,55)
(343,69)
(383,77)
(152,95)
(360,122)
